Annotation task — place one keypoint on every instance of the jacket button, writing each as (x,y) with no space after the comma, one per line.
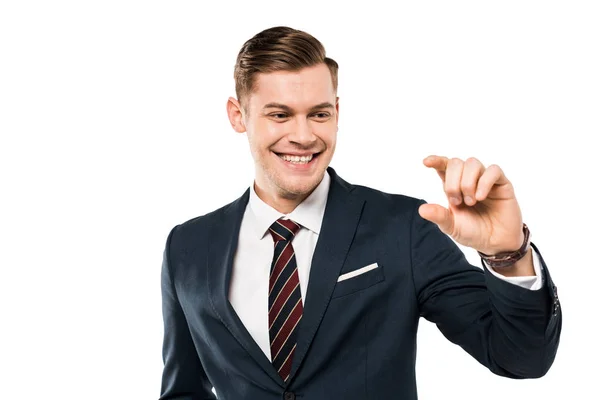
(289,396)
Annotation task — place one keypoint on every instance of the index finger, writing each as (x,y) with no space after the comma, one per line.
(439,163)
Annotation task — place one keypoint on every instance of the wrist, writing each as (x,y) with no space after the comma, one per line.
(522,267)
(506,259)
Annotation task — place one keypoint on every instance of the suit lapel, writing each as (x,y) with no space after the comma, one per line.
(221,249)
(340,221)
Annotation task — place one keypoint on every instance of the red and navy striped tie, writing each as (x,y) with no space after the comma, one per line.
(285,301)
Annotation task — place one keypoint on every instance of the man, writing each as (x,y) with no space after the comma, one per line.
(310,287)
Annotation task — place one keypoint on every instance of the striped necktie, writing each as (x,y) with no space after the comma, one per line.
(285,302)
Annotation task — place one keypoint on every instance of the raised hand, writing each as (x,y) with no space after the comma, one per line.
(483,212)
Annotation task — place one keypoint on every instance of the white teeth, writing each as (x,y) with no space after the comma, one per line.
(296,159)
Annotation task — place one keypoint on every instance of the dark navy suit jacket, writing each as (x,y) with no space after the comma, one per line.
(357,337)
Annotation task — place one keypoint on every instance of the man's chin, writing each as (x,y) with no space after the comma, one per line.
(298,187)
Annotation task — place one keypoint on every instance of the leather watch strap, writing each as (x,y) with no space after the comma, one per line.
(506,259)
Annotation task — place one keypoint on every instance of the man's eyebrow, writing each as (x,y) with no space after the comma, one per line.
(325,104)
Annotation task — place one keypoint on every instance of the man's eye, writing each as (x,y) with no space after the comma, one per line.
(322,115)
(279,115)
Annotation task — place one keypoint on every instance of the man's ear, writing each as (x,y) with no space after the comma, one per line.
(337,110)
(236,116)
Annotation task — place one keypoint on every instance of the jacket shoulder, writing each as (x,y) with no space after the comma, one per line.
(386,201)
(195,230)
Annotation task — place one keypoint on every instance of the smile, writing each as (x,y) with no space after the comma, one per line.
(297,159)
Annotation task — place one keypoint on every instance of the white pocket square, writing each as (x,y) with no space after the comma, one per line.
(357,272)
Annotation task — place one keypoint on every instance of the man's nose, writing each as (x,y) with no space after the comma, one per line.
(302,132)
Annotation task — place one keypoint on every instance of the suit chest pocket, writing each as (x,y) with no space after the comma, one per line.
(354,281)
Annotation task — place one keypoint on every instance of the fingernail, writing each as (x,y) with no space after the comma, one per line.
(468,200)
(455,200)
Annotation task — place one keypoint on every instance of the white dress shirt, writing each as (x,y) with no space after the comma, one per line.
(248,291)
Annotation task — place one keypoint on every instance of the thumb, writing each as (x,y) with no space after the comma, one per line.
(439,215)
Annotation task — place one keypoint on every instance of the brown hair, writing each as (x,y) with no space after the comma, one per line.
(278,49)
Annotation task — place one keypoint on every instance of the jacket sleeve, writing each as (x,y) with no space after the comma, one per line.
(511,330)
(183,376)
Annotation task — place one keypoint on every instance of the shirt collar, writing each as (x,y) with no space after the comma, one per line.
(309,213)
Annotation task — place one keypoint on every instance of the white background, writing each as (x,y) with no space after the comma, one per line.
(113,129)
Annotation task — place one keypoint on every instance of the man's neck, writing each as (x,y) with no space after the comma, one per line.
(285,204)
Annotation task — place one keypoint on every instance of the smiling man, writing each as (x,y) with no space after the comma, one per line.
(292,140)
(310,287)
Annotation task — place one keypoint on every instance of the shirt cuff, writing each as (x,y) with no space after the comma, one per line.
(527,282)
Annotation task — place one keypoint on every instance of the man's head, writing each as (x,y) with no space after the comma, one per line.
(287,103)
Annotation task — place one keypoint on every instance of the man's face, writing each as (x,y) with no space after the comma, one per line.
(291,123)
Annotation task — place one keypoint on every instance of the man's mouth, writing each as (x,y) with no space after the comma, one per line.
(293,159)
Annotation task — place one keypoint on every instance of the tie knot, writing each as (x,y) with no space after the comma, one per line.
(284,229)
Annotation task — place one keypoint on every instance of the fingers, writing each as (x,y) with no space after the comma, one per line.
(473,170)
(467,181)
(493,175)
(452,184)
(439,215)
(438,163)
